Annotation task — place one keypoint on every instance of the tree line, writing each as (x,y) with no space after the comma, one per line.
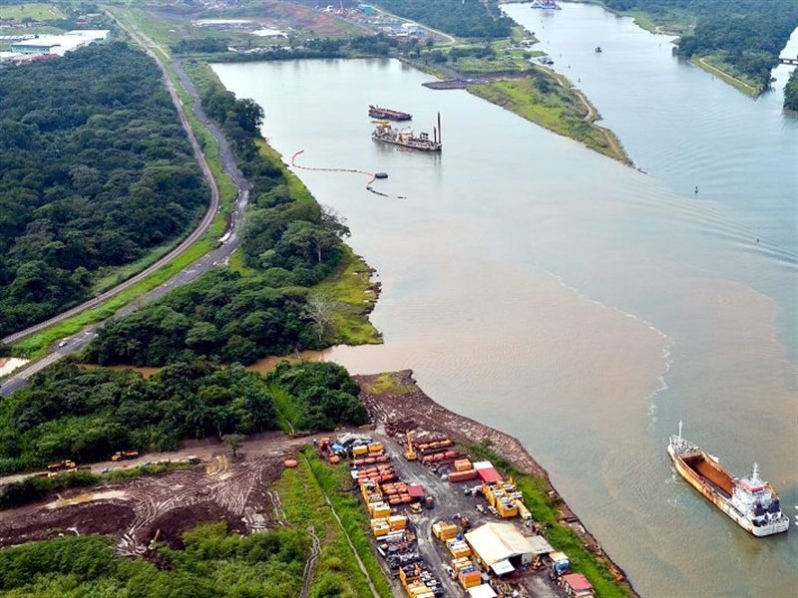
(791,91)
(96,171)
(463,18)
(747,35)
(211,563)
(70,412)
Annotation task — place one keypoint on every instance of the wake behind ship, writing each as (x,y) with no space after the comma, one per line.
(385,133)
(750,501)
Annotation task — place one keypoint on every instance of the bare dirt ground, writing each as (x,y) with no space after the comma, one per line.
(134,511)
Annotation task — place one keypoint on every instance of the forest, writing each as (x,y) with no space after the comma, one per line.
(70,412)
(747,35)
(289,243)
(96,171)
(463,18)
(212,564)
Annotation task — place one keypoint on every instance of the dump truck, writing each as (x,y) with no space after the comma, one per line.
(123,455)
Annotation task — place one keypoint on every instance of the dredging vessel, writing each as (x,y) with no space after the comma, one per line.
(750,501)
(385,133)
(388,114)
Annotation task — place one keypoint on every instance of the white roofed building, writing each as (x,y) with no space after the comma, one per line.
(501,547)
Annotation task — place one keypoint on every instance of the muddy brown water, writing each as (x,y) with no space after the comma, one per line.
(577,304)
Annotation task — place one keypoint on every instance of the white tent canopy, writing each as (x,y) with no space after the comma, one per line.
(494,542)
(481,591)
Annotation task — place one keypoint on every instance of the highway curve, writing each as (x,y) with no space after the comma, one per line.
(231,238)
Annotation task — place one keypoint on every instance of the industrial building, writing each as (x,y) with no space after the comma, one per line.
(60,44)
(500,547)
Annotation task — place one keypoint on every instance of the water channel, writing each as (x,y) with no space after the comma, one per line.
(579,304)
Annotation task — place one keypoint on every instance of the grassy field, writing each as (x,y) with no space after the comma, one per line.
(554,107)
(387,383)
(34,11)
(716,66)
(350,287)
(336,572)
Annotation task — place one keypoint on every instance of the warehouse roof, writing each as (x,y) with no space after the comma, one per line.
(494,542)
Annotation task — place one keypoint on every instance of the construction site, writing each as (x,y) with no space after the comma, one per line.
(442,520)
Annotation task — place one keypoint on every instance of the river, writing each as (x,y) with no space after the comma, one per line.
(576,303)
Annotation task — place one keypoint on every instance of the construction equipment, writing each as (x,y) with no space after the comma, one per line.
(61,465)
(410,453)
(123,455)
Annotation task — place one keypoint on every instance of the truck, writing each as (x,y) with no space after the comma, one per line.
(559,565)
(61,465)
(123,455)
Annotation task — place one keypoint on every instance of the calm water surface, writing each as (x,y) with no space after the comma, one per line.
(576,303)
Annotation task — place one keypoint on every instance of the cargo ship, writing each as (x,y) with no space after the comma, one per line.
(750,501)
(385,133)
(388,114)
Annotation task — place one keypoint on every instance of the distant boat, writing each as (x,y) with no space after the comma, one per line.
(388,114)
(598,50)
(546,60)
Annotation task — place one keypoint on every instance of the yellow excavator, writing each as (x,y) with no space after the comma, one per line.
(410,453)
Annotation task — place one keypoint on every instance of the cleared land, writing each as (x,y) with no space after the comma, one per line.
(35,12)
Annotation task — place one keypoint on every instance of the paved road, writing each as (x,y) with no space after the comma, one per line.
(229,243)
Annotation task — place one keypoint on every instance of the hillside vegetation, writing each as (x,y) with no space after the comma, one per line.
(212,564)
(96,172)
(743,37)
(289,244)
(69,412)
(463,18)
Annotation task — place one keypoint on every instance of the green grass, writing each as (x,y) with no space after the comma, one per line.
(544,509)
(558,110)
(35,11)
(386,383)
(336,572)
(335,481)
(715,65)
(347,286)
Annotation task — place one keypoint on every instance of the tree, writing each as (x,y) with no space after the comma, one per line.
(320,309)
(234,441)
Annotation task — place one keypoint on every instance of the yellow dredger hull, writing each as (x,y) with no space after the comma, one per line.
(721,501)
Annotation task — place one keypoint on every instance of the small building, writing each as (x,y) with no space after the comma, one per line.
(576,584)
(500,547)
(482,591)
(60,44)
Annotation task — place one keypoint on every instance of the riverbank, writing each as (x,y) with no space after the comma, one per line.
(396,402)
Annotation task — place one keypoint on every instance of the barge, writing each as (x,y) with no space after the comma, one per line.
(750,501)
(385,133)
(388,114)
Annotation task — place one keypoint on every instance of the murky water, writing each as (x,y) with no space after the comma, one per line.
(574,302)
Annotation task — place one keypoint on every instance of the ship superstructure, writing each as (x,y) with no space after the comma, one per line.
(750,501)
(385,133)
